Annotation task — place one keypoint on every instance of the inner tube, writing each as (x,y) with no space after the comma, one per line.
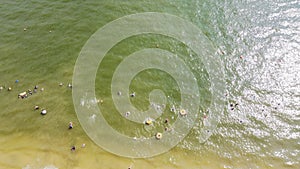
(158,136)
(183,112)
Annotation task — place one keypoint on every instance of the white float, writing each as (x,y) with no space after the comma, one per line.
(44,112)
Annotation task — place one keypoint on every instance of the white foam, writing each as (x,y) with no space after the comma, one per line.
(46,167)
(50,167)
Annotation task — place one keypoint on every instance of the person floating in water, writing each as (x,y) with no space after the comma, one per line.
(73,148)
(70,125)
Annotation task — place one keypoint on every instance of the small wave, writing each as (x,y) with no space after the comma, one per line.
(46,167)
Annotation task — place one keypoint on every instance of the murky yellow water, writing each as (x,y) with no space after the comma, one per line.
(259,45)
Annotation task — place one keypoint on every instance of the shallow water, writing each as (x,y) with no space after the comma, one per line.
(258,42)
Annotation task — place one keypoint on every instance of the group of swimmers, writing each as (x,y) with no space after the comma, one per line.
(30,92)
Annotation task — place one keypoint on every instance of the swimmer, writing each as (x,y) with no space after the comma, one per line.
(70,125)
(148,122)
(132,94)
(173,109)
(166,120)
(119,93)
(44,112)
(127,114)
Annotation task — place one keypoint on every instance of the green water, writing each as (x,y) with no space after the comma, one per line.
(258,42)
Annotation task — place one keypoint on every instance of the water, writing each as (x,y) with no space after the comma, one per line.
(258,42)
